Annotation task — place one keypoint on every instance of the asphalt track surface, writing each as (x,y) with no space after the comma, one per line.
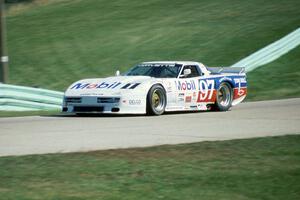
(55,134)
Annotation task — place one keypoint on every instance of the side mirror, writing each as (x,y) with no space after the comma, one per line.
(187,72)
(117,73)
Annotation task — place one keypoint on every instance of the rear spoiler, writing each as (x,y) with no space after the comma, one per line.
(219,70)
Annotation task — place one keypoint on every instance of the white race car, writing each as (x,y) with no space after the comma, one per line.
(158,87)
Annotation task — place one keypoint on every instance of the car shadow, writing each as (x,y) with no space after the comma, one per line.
(92,115)
(106,115)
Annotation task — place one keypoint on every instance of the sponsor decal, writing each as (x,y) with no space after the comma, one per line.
(185,85)
(241,92)
(240,80)
(91,94)
(188,99)
(134,102)
(157,65)
(194,98)
(116,94)
(181,94)
(202,106)
(102,85)
(180,99)
(224,79)
(238,92)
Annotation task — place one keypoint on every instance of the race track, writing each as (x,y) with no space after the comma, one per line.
(53,134)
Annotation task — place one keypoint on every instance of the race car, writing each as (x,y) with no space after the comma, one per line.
(157,87)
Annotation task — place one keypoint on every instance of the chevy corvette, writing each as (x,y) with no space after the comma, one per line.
(157,87)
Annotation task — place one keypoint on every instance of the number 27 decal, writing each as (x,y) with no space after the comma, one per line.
(206,90)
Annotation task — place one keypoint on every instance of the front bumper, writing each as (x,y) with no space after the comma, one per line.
(96,104)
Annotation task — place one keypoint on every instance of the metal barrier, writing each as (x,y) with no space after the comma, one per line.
(270,52)
(20,98)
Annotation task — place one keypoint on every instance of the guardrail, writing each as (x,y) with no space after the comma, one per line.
(20,98)
(270,52)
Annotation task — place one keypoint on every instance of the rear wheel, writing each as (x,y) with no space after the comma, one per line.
(224,97)
(156,100)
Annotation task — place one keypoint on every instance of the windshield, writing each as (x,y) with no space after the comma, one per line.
(155,70)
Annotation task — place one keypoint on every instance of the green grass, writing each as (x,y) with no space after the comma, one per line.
(52,45)
(279,79)
(28,113)
(264,168)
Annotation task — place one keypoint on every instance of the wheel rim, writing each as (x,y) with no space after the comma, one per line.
(224,95)
(158,100)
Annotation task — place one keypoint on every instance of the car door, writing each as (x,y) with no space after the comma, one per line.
(187,87)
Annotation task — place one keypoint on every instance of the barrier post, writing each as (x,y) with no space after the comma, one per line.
(3,51)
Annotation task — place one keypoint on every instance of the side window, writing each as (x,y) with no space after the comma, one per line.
(194,71)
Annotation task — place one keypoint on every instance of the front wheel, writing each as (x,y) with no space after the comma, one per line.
(224,97)
(156,100)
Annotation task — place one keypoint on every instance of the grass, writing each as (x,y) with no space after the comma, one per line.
(16,7)
(277,80)
(262,168)
(53,44)
(28,113)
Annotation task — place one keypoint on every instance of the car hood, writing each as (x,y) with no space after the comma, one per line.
(106,86)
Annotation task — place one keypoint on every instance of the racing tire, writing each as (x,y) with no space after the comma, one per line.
(156,100)
(224,97)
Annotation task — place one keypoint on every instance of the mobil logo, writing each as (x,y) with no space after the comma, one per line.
(185,85)
(102,85)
